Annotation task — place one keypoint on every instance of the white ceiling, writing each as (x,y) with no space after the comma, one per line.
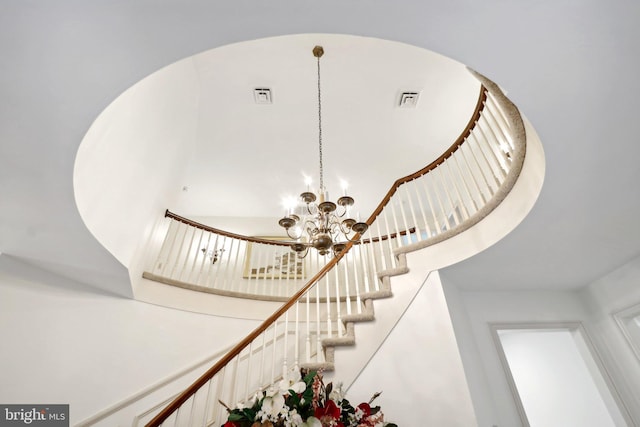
(570,66)
(247,158)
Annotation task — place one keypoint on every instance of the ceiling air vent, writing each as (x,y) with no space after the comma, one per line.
(409,99)
(262,95)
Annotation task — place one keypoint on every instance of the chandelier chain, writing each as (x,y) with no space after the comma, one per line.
(327,229)
(320,129)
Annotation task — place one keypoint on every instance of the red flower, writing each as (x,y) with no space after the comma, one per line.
(366,408)
(329,415)
(230,424)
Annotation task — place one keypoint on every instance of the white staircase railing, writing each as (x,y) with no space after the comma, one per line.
(443,199)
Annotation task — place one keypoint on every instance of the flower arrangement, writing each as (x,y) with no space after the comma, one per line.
(302,400)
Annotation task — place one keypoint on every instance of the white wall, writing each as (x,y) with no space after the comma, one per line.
(604,298)
(66,343)
(418,367)
(130,161)
(473,313)
(554,381)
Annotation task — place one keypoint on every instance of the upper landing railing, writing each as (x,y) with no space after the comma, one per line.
(446,197)
(440,200)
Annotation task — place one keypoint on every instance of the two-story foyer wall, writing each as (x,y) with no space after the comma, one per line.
(63,342)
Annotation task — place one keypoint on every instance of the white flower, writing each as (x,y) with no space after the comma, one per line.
(294,420)
(337,394)
(273,404)
(312,422)
(249,403)
(293,381)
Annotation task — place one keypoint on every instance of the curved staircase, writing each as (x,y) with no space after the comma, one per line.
(431,212)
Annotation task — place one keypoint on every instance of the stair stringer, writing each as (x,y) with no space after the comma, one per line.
(510,208)
(374,326)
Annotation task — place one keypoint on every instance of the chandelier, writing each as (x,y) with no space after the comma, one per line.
(317,222)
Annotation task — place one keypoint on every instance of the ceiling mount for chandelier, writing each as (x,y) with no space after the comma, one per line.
(319,223)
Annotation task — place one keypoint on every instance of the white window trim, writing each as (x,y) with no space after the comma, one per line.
(622,318)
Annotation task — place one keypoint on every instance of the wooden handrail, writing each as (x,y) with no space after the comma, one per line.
(169,214)
(235,351)
(172,215)
(458,142)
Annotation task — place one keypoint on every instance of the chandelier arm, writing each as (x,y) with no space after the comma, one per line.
(355,239)
(304,253)
(311,227)
(309,211)
(343,231)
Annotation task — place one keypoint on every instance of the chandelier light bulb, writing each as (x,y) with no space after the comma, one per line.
(345,185)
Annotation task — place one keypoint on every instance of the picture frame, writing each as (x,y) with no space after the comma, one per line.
(263,261)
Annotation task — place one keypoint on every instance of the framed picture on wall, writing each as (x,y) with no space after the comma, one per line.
(263,261)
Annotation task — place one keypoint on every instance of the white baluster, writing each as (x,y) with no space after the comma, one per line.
(492,145)
(395,220)
(204,258)
(347,282)
(389,255)
(286,346)
(339,325)
(380,246)
(171,246)
(328,307)
(473,176)
(447,167)
(218,411)
(207,277)
(481,170)
(283,277)
(407,226)
(502,135)
(425,182)
(447,191)
(465,185)
(273,350)
(235,275)
(496,106)
(234,382)
(263,352)
(308,322)
(478,139)
(225,265)
(416,226)
(421,205)
(194,403)
(209,401)
(195,257)
(177,257)
(443,211)
(373,275)
(161,258)
(296,347)
(247,388)
(188,253)
(219,267)
(356,276)
(318,335)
